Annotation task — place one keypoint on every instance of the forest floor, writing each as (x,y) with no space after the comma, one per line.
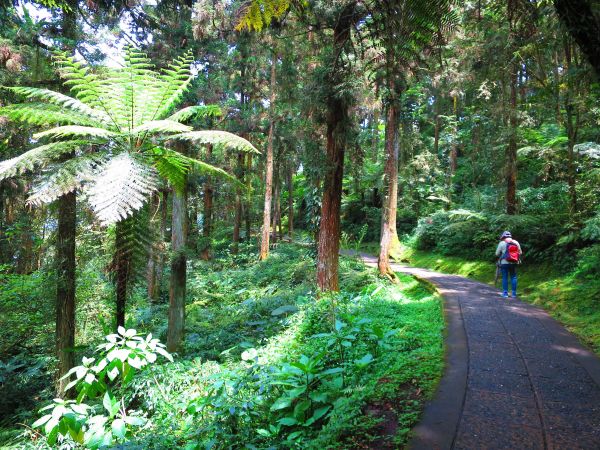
(570,300)
(515,378)
(374,353)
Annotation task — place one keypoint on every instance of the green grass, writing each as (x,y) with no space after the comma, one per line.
(571,300)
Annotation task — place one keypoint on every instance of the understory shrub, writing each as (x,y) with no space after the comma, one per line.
(474,236)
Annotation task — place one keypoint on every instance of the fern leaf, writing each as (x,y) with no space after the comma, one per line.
(44,114)
(64,178)
(174,166)
(37,157)
(120,188)
(161,126)
(190,112)
(76,131)
(217,137)
(56,98)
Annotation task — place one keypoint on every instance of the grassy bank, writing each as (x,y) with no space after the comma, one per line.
(571,300)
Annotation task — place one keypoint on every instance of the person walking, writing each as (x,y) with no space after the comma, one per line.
(509,254)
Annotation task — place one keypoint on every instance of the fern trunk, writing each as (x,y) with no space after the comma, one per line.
(207,211)
(177,290)
(65,288)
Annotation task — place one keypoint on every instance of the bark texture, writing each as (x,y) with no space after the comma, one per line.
(65,287)
(177,289)
(337,114)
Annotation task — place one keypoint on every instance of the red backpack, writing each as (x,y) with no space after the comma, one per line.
(511,254)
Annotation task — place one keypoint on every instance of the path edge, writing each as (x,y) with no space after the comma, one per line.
(439,422)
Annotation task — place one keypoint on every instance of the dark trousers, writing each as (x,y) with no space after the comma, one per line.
(509,270)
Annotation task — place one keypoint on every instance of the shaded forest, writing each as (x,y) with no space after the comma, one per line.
(184,187)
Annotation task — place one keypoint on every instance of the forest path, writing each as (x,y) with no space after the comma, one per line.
(515,378)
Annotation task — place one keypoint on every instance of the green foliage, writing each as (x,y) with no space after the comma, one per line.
(111,135)
(266,365)
(474,236)
(106,422)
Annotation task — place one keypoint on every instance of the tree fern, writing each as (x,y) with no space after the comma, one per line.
(116,128)
(120,187)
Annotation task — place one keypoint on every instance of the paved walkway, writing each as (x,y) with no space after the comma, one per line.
(515,378)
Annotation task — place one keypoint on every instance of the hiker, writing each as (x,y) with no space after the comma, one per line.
(509,255)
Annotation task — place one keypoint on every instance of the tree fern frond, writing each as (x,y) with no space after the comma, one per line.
(37,157)
(175,81)
(65,177)
(170,167)
(121,187)
(190,112)
(56,98)
(161,126)
(217,137)
(174,166)
(44,114)
(76,131)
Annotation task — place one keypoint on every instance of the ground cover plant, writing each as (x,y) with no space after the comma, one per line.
(267,363)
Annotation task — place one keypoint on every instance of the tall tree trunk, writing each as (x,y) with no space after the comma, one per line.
(337,114)
(264,243)
(65,249)
(390,244)
(65,288)
(177,289)
(290,183)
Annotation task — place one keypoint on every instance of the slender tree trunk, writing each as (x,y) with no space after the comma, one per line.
(264,244)
(390,243)
(177,289)
(65,287)
(290,183)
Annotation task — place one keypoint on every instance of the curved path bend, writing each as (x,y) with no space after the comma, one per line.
(514,378)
